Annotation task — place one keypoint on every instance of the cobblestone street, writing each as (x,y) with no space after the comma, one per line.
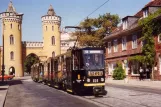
(119,97)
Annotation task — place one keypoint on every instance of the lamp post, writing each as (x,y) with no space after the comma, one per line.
(3,67)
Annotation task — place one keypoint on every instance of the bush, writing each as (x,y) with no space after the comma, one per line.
(119,73)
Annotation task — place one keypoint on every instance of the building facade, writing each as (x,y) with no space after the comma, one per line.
(125,42)
(16,50)
(67,41)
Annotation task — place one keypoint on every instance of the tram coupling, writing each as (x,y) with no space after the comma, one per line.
(99,91)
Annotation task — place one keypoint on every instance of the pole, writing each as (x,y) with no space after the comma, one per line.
(3,67)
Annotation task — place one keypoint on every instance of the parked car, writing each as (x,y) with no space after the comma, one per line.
(7,77)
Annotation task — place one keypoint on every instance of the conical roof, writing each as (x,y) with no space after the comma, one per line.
(11,8)
(51,11)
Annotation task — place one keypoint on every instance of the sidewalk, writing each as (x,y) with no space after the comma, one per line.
(3,93)
(136,83)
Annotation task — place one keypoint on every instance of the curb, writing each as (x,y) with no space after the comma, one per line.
(137,86)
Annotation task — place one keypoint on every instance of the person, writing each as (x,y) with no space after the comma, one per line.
(96,60)
(141,73)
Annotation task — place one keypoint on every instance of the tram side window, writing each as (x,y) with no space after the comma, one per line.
(68,65)
(77,61)
(56,66)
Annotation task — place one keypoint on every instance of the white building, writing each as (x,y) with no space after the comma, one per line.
(67,41)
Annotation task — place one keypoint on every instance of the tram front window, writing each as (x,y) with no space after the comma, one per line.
(93,60)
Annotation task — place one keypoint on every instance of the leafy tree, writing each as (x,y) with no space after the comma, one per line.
(119,72)
(30,60)
(93,29)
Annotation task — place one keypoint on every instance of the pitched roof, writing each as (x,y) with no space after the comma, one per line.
(120,30)
(152,3)
(51,11)
(11,8)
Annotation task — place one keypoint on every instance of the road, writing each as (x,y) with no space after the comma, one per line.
(26,93)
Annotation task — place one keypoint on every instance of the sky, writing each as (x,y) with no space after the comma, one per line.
(72,12)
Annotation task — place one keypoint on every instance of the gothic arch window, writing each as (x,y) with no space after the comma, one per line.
(52,28)
(53,40)
(53,54)
(46,28)
(11,25)
(11,40)
(19,27)
(12,55)
(4,27)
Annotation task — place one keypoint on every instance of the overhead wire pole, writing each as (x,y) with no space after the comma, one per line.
(3,67)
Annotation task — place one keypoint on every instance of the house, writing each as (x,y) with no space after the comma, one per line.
(124,42)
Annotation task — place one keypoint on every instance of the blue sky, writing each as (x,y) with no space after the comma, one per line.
(71,11)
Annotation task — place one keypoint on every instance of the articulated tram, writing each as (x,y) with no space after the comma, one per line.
(79,70)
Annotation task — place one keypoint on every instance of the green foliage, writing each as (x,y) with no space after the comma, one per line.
(150,27)
(93,29)
(30,60)
(138,58)
(119,72)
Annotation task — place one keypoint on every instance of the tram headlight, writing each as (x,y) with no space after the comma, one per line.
(88,80)
(102,79)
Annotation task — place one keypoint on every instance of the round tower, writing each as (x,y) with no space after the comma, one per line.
(11,30)
(51,33)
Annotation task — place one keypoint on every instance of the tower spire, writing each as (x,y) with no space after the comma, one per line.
(51,11)
(11,7)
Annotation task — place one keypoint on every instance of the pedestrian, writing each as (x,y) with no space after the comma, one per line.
(141,73)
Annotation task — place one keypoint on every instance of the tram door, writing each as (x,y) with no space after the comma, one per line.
(69,72)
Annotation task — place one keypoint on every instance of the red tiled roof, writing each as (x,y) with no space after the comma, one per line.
(152,3)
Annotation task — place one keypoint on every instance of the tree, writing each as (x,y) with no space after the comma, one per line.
(93,29)
(119,72)
(30,60)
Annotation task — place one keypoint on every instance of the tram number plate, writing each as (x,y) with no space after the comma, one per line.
(95,73)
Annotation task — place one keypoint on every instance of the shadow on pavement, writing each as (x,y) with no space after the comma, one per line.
(14,82)
(3,89)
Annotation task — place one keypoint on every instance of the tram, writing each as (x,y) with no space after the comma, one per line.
(79,70)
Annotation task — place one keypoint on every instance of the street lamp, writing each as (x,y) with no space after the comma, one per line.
(3,67)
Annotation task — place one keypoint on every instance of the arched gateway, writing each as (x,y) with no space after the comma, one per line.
(16,50)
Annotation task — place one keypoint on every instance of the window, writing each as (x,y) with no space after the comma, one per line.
(52,28)
(53,40)
(159,38)
(4,27)
(11,25)
(145,13)
(115,45)
(12,55)
(124,24)
(134,41)
(124,43)
(111,67)
(59,28)
(53,54)
(19,27)
(11,40)
(46,28)
(135,67)
(109,47)
(160,65)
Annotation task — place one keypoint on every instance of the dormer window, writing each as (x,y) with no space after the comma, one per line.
(145,13)
(124,24)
